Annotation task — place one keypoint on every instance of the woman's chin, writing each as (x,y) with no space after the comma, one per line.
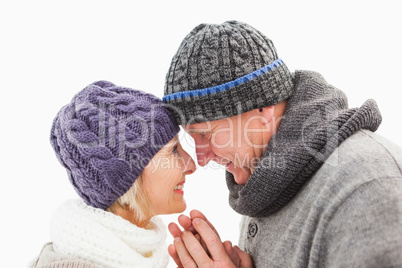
(174,208)
(179,208)
(182,207)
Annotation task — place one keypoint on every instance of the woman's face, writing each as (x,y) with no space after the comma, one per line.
(164,177)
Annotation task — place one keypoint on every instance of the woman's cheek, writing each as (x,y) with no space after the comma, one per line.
(168,181)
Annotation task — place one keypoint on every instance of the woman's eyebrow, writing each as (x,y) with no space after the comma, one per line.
(173,144)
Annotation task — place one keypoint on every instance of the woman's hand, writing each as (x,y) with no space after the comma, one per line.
(186,223)
(199,245)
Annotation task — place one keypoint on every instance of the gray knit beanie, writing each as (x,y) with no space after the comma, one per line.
(224,70)
(106,136)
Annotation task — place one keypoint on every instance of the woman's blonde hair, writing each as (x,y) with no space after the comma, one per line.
(134,199)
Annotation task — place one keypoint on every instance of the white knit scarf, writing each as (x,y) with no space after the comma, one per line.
(107,240)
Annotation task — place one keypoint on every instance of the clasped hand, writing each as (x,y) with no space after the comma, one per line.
(199,245)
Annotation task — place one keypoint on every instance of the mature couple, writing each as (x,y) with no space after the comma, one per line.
(316,186)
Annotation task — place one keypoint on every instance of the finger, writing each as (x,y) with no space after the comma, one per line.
(198,237)
(195,249)
(232,253)
(204,246)
(185,259)
(211,239)
(174,229)
(186,223)
(173,254)
(198,214)
(246,260)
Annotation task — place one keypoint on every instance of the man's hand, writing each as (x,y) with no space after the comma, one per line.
(187,225)
(199,245)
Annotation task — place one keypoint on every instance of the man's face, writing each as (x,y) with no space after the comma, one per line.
(237,143)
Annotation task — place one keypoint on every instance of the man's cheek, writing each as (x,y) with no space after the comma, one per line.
(222,140)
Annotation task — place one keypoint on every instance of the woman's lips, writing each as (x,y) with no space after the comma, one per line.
(179,187)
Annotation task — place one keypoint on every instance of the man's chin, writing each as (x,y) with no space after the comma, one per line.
(241,177)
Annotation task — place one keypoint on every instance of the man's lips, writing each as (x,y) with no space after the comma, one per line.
(229,167)
(222,161)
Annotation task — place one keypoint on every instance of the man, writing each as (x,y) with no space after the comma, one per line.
(316,186)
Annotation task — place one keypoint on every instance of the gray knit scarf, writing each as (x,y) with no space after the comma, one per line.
(316,121)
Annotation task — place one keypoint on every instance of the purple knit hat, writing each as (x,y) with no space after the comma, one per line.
(106,136)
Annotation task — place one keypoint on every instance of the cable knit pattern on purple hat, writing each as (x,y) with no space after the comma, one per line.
(106,136)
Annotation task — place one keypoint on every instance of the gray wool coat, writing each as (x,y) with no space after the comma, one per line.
(349,214)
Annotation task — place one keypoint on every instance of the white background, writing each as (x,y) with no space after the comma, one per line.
(52,49)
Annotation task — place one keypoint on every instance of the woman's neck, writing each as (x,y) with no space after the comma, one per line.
(130,216)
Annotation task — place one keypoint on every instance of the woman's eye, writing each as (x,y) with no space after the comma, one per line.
(174,149)
(203,134)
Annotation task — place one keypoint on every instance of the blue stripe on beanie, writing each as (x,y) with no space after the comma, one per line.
(226,86)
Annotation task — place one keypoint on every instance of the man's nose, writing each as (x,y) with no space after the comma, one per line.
(204,154)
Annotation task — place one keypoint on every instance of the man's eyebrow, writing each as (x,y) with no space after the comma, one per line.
(197,130)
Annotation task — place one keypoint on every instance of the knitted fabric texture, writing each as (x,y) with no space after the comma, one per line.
(223,70)
(106,136)
(316,121)
(105,239)
(48,258)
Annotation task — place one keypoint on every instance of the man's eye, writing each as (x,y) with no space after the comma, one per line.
(203,134)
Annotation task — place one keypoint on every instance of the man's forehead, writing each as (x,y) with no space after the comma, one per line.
(209,125)
(198,127)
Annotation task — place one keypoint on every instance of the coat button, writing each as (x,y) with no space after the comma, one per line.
(252,229)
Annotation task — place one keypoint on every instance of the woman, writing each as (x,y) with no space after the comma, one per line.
(122,155)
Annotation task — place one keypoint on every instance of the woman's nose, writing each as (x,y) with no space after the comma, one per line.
(189,167)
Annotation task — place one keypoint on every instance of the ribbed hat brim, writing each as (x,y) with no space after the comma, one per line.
(270,88)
